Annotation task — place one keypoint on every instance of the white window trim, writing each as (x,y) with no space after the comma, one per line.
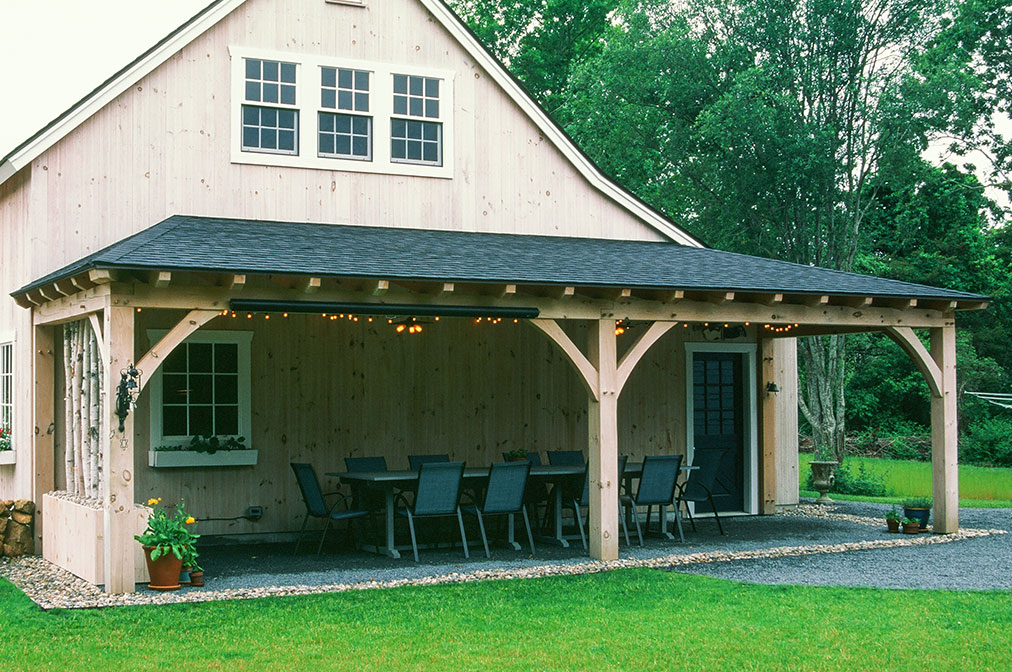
(307,97)
(751,494)
(10,338)
(241,338)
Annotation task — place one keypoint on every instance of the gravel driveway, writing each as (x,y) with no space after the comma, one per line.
(971,564)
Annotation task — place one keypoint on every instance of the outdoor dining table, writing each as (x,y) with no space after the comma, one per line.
(390,481)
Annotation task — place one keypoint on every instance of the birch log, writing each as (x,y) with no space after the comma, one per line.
(68,408)
(86,409)
(94,416)
(78,359)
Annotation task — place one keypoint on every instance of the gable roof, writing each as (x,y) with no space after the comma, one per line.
(182,243)
(208,17)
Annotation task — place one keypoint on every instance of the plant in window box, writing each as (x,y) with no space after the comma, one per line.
(166,541)
(5,438)
(212,444)
(517,455)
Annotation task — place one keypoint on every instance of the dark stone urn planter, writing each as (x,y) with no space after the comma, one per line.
(823,479)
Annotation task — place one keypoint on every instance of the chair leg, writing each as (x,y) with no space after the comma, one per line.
(579,523)
(481,528)
(463,535)
(530,537)
(326,527)
(646,526)
(625,525)
(636,519)
(302,531)
(678,522)
(411,528)
(716,515)
(692,521)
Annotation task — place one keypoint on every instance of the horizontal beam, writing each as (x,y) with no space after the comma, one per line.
(335,307)
(70,308)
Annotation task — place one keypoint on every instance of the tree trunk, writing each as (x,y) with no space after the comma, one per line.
(86,408)
(68,408)
(822,402)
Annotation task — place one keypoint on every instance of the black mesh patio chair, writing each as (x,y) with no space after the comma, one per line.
(570,485)
(316,503)
(657,486)
(437,495)
(584,503)
(362,496)
(698,487)
(504,496)
(415,461)
(565,458)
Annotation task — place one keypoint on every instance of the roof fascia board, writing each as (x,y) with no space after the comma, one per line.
(108,91)
(95,101)
(465,38)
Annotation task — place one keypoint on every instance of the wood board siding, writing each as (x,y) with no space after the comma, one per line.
(162,147)
(324,390)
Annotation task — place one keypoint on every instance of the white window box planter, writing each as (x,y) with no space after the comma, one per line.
(8,456)
(191,458)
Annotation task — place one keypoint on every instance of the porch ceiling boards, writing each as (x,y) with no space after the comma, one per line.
(217,259)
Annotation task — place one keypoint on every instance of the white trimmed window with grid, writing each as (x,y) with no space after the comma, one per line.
(202,388)
(270,117)
(345,133)
(6,394)
(416,135)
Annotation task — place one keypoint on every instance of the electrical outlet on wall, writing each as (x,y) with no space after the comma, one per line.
(254,512)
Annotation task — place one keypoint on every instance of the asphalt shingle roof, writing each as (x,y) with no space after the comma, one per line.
(183,243)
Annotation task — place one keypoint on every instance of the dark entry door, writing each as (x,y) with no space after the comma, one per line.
(718,410)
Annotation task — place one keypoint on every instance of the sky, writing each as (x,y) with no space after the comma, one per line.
(54,52)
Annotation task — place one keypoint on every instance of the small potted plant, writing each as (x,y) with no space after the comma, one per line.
(911,526)
(918,508)
(195,571)
(166,540)
(517,455)
(893,519)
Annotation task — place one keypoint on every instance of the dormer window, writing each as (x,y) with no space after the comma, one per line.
(273,125)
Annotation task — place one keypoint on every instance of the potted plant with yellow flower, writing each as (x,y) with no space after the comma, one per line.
(166,540)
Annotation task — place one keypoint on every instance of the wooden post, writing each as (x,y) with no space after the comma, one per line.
(118,482)
(945,476)
(43,460)
(603,442)
(769,401)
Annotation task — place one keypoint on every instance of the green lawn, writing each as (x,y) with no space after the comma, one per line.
(621,620)
(978,486)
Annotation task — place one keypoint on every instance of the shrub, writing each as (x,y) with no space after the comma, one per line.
(988,443)
(861,481)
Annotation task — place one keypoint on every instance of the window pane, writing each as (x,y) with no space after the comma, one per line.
(400,84)
(431,152)
(360,146)
(414,130)
(201,420)
(344,78)
(252,68)
(415,151)
(432,108)
(344,100)
(287,94)
(286,140)
(432,88)
(343,123)
(253,91)
(286,119)
(398,126)
(270,71)
(174,388)
(360,125)
(400,105)
(200,388)
(326,143)
(226,357)
(174,421)
(270,93)
(200,357)
(329,77)
(362,102)
(226,389)
(328,98)
(176,361)
(226,420)
(431,131)
(415,107)
(326,122)
(288,73)
(250,115)
(361,80)
(398,149)
(251,137)
(416,85)
(343,144)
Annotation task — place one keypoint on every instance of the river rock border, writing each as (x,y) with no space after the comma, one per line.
(53,588)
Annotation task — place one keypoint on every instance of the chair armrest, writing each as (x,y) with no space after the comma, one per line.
(400,498)
(342,499)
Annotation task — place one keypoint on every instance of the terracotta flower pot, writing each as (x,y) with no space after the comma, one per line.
(197,579)
(164,571)
(892,525)
(911,528)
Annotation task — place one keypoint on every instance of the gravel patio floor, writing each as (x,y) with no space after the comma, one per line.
(841,545)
